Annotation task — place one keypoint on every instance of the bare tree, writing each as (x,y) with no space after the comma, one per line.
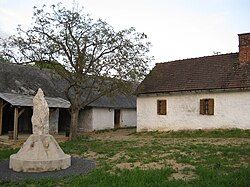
(90,55)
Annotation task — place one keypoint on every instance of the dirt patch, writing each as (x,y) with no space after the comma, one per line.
(182,176)
(4,140)
(228,141)
(118,156)
(163,155)
(119,134)
(3,144)
(217,141)
(93,155)
(128,165)
(179,166)
(152,165)
(182,171)
(11,144)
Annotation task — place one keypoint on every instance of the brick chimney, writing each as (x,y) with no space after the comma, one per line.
(244,47)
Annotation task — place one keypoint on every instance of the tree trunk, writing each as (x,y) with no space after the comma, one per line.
(74,123)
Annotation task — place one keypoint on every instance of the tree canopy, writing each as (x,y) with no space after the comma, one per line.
(94,58)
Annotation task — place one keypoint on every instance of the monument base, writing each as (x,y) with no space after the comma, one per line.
(20,165)
(40,153)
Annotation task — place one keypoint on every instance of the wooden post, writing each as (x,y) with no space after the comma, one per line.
(1,116)
(16,116)
(20,113)
(15,123)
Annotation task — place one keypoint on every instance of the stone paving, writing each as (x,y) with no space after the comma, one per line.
(78,166)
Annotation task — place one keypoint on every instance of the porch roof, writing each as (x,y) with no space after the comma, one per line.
(27,100)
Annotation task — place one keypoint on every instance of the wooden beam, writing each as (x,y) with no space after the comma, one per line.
(2,105)
(20,113)
(15,123)
(1,116)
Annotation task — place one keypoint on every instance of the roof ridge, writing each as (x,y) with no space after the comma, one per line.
(222,71)
(179,60)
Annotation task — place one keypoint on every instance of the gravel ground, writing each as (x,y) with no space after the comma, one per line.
(78,166)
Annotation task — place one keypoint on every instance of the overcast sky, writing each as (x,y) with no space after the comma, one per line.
(177,29)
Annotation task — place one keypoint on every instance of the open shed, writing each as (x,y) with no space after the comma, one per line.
(23,80)
(16,113)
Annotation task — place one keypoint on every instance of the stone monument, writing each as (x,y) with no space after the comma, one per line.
(40,152)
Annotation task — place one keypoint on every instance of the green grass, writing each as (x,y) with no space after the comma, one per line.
(218,133)
(200,158)
(5,153)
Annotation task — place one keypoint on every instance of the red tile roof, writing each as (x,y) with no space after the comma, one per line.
(204,73)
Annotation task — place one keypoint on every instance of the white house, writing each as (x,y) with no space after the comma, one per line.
(198,93)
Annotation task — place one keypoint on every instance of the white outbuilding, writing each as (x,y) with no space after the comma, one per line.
(109,113)
(197,93)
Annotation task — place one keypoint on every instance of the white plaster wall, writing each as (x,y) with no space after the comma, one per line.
(128,118)
(231,110)
(85,121)
(103,118)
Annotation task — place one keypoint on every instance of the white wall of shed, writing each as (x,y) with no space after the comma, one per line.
(231,110)
(128,118)
(103,118)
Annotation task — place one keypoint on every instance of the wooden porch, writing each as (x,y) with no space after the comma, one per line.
(16,112)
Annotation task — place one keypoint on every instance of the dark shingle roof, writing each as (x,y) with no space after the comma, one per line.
(119,101)
(204,73)
(26,80)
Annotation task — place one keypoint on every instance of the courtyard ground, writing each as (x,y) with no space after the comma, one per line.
(127,158)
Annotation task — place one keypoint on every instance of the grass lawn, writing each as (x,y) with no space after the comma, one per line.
(126,158)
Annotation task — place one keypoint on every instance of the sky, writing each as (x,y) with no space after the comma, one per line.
(177,29)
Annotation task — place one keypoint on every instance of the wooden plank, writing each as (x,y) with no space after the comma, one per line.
(202,106)
(15,123)
(1,116)
(20,113)
(164,107)
(211,106)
